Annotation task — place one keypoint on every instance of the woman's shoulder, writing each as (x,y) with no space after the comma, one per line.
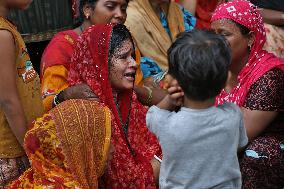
(267,93)
(69,36)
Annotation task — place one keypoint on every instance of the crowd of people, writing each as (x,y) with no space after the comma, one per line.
(146,94)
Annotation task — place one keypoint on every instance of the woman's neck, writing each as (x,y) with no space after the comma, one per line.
(232,81)
(82,27)
(234,72)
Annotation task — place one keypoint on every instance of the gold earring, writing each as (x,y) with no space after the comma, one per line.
(249,46)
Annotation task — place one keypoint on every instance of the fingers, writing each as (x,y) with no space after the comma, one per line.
(174,89)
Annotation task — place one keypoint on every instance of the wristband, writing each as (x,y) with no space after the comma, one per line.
(157,158)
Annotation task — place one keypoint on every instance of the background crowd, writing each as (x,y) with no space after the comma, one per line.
(146,94)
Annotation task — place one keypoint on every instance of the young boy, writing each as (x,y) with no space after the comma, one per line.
(200,141)
(20,98)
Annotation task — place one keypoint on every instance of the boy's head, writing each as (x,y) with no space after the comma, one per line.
(199,60)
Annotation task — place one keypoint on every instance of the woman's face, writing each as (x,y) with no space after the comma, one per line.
(238,41)
(19,4)
(123,67)
(109,11)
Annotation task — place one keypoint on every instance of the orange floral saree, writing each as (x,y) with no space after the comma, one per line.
(68,147)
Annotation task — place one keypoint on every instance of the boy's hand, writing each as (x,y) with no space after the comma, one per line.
(176,95)
(173,99)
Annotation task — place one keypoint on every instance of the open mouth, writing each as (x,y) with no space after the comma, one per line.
(130,76)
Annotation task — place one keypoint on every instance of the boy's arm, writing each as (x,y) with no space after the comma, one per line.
(9,96)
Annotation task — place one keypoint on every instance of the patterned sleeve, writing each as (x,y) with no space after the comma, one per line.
(267,93)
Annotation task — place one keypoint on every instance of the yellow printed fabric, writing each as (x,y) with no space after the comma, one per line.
(28,85)
(68,147)
(54,80)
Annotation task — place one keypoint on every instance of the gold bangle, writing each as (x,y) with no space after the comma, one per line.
(149,99)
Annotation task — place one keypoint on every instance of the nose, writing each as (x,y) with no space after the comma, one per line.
(133,63)
(119,14)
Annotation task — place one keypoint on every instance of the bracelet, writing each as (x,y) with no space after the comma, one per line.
(56,100)
(149,99)
(282,16)
(157,158)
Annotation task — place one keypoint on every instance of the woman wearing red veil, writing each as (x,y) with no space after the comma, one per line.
(104,60)
(256,85)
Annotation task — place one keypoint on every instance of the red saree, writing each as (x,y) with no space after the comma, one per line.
(133,147)
(59,50)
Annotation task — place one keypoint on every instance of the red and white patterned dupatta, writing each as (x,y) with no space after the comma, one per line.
(259,61)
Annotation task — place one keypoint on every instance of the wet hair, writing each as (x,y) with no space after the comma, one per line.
(79,20)
(199,60)
(119,34)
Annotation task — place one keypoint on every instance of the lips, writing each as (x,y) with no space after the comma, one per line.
(130,76)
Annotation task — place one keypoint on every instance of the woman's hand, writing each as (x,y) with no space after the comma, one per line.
(80,91)
(156,170)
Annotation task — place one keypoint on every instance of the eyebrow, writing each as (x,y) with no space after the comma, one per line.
(127,52)
(114,2)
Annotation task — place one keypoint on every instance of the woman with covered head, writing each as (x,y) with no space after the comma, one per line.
(56,58)
(55,63)
(104,60)
(256,84)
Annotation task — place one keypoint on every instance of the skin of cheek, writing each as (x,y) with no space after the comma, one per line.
(101,14)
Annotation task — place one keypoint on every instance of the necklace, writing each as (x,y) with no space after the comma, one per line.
(125,125)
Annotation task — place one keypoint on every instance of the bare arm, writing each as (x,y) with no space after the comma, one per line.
(273,17)
(190,5)
(257,121)
(143,95)
(9,96)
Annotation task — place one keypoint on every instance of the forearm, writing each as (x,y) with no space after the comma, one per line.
(272,17)
(149,96)
(16,117)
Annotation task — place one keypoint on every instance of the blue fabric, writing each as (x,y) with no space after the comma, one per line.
(148,66)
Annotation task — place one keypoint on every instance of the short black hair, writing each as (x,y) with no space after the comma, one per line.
(200,60)
(120,33)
